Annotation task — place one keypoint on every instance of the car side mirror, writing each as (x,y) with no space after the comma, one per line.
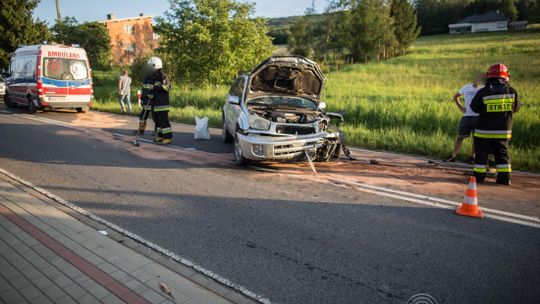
(233,99)
(322,105)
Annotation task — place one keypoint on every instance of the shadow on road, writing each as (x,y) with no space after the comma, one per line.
(338,252)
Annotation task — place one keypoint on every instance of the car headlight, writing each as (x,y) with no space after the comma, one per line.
(258,123)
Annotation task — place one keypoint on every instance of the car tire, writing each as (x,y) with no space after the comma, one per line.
(225,135)
(8,102)
(239,158)
(81,110)
(31,106)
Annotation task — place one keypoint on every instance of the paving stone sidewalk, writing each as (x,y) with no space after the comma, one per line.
(47,256)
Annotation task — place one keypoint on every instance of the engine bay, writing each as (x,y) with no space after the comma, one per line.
(287,115)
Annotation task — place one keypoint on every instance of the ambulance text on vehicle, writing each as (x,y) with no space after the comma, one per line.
(48,77)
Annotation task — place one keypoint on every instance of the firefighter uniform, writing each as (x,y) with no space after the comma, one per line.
(158,88)
(495,103)
(146,106)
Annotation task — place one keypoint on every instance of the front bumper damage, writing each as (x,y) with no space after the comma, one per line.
(291,147)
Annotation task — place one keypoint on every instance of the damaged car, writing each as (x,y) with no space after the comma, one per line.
(275,113)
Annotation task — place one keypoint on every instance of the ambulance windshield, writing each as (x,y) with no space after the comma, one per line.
(65,69)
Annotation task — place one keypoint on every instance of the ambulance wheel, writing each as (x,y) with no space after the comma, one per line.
(81,110)
(8,103)
(31,106)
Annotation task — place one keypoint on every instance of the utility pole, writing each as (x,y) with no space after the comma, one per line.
(59,21)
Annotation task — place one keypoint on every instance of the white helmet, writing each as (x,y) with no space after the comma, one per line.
(155,62)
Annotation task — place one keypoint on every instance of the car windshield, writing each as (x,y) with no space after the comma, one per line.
(287,101)
(65,69)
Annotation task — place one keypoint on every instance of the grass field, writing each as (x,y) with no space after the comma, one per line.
(404,104)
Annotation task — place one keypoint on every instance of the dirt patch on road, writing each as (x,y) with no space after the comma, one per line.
(100,120)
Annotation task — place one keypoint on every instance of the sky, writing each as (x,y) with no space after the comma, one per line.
(95,10)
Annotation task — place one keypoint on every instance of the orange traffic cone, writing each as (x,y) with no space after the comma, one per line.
(469,207)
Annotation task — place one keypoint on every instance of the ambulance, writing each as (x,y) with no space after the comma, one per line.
(49,77)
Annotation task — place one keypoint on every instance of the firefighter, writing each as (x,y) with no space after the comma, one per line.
(495,104)
(145,102)
(158,88)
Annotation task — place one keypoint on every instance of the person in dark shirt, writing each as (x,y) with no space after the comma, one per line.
(495,103)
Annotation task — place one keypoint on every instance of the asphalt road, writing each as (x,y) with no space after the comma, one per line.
(290,240)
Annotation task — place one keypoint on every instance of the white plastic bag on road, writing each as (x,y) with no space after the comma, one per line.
(201,128)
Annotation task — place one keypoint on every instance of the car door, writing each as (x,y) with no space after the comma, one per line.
(233,110)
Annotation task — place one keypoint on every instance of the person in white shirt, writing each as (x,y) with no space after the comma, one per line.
(124,91)
(469,118)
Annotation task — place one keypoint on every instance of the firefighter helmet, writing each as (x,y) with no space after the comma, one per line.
(498,70)
(155,62)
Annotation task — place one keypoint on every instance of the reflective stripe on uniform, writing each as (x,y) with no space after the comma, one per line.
(161,108)
(147,107)
(504,168)
(499,103)
(501,134)
(501,96)
(480,168)
(159,84)
(166,130)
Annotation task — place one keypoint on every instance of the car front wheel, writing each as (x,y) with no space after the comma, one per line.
(239,158)
(226,136)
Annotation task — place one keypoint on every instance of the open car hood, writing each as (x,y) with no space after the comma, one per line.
(293,75)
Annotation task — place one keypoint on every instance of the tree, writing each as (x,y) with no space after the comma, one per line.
(279,36)
(506,7)
(17,27)
(299,43)
(92,36)
(405,27)
(371,30)
(303,33)
(211,41)
(529,10)
(434,16)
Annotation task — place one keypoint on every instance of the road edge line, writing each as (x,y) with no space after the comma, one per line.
(140,239)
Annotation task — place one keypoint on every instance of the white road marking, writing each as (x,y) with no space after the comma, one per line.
(403,195)
(139,239)
(444,201)
(430,201)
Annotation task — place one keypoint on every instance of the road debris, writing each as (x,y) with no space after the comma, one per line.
(201,128)
(310,162)
(166,290)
